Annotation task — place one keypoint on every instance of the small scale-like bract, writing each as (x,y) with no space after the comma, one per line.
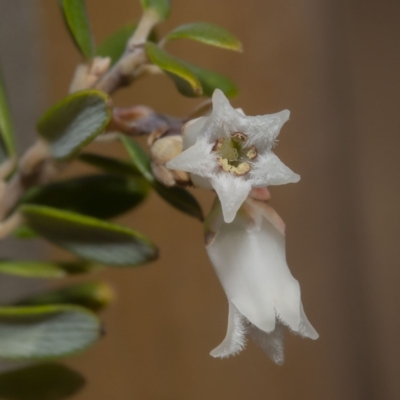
(232,153)
(249,258)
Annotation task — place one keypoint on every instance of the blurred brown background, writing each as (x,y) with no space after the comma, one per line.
(335,64)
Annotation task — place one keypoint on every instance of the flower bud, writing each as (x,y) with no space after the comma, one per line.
(162,151)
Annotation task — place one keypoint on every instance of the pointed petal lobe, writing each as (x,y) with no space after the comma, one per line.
(235,339)
(270,170)
(232,192)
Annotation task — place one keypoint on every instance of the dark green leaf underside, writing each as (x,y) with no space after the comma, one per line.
(48,381)
(180,199)
(110,165)
(100,196)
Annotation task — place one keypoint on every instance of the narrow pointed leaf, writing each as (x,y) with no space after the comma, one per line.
(7,142)
(100,196)
(74,122)
(207,33)
(114,45)
(46,332)
(211,80)
(161,7)
(110,165)
(180,199)
(77,21)
(90,238)
(48,381)
(46,269)
(184,79)
(92,295)
(139,158)
(175,196)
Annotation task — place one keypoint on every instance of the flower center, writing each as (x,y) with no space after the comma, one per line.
(233,156)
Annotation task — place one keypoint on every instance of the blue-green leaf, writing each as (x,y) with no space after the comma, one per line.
(46,332)
(90,238)
(77,20)
(74,122)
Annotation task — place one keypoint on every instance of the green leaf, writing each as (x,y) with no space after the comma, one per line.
(90,238)
(180,199)
(211,80)
(46,332)
(74,122)
(139,158)
(7,143)
(207,33)
(161,7)
(177,197)
(92,295)
(184,79)
(100,196)
(77,20)
(46,269)
(111,165)
(48,381)
(114,45)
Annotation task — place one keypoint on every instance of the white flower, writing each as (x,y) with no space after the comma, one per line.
(249,258)
(232,153)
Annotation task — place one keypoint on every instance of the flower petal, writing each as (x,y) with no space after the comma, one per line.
(306,329)
(224,119)
(270,170)
(272,343)
(232,192)
(262,130)
(235,339)
(191,131)
(197,159)
(253,271)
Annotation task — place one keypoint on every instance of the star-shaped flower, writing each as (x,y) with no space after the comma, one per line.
(232,153)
